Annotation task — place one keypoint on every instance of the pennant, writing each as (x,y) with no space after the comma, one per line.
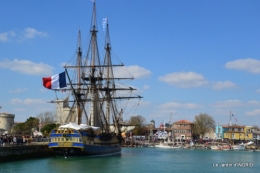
(55,82)
(104,23)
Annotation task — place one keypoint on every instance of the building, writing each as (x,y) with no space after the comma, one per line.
(182,130)
(248,135)
(6,122)
(234,132)
(63,110)
(256,135)
(210,134)
(219,132)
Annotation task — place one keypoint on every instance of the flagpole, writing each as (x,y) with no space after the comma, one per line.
(56,94)
(230,119)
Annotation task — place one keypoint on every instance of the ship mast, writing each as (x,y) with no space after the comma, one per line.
(79,52)
(109,74)
(94,77)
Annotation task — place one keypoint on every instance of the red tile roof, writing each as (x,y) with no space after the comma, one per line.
(182,122)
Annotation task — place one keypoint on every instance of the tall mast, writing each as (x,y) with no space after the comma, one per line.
(109,74)
(79,53)
(94,76)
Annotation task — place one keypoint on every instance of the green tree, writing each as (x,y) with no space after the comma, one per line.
(31,123)
(19,129)
(202,124)
(26,127)
(47,128)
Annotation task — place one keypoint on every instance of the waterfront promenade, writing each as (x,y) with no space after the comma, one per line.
(37,148)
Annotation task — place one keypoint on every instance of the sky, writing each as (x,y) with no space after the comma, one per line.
(187,57)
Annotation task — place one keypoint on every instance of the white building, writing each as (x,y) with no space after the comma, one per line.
(6,122)
(62,112)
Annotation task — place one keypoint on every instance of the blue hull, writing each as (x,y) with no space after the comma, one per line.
(87,151)
(77,143)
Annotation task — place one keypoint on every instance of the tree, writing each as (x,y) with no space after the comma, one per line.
(202,124)
(256,127)
(47,128)
(27,126)
(31,123)
(46,118)
(19,129)
(138,121)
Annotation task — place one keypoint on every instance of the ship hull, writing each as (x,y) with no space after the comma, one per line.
(88,150)
(71,142)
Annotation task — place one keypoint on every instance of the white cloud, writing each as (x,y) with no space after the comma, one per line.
(255,112)
(134,70)
(229,104)
(18,90)
(184,79)
(249,64)
(32,33)
(235,103)
(27,101)
(20,109)
(180,105)
(6,36)
(254,103)
(224,85)
(27,67)
(27,33)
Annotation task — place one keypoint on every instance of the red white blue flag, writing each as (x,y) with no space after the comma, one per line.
(57,81)
(234,117)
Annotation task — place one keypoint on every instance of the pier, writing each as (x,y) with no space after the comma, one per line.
(27,151)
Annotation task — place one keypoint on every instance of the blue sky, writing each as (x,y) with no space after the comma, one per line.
(188,57)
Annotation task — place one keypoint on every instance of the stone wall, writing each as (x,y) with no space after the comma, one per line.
(11,153)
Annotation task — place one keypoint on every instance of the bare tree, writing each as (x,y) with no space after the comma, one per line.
(136,120)
(139,122)
(202,124)
(46,118)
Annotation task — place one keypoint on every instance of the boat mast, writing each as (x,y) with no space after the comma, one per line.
(93,76)
(79,52)
(109,75)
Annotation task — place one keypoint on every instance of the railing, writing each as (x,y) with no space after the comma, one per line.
(40,140)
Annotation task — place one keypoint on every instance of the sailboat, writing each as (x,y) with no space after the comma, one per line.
(94,98)
(165,144)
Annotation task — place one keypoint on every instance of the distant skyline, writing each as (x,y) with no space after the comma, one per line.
(187,57)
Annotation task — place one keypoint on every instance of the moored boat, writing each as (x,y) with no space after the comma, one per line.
(242,146)
(215,147)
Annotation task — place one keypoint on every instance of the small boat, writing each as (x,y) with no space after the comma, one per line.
(167,145)
(164,135)
(242,146)
(225,147)
(215,147)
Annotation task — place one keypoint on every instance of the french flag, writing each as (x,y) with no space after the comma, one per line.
(55,82)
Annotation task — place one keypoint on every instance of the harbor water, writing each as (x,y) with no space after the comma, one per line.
(143,160)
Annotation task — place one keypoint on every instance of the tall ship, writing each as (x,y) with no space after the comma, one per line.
(94,124)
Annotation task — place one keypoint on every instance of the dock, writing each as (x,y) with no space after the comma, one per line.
(26,151)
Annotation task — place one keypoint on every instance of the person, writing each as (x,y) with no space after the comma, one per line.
(14,140)
(4,140)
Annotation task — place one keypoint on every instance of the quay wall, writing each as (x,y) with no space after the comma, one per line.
(21,152)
